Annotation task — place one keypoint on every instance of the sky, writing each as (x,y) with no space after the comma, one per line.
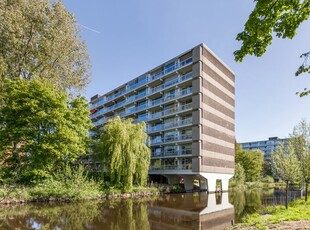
(127,38)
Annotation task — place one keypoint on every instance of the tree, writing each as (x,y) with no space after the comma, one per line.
(123,152)
(239,177)
(277,17)
(300,140)
(41,130)
(286,166)
(251,161)
(40,39)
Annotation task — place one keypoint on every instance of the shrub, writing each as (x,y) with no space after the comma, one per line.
(71,185)
(268,179)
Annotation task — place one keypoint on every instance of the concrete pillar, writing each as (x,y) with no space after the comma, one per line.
(225,183)
(203,184)
(172,179)
(188,182)
(211,184)
(212,177)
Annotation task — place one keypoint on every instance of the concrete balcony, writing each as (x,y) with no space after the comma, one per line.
(170,167)
(149,78)
(176,138)
(174,153)
(176,124)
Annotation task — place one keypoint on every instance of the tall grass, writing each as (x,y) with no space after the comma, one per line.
(73,184)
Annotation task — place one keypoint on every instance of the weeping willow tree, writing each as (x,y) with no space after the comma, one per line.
(123,152)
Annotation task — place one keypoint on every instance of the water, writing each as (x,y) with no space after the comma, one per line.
(174,211)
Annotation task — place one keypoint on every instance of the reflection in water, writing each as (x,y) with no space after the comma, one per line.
(174,211)
(191,211)
(250,201)
(47,216)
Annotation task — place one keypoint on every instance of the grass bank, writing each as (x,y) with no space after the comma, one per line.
(56,191)
(70,186)
(298,210)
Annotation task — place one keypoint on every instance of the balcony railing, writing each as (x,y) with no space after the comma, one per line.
(187,121)
(181,152)
(143,82)
(171,167)
(144,94)
(171,110)
(171,139)
(132,110)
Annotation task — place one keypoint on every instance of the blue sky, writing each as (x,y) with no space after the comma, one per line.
(134,36)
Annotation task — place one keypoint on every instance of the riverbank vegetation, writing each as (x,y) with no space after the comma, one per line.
(289,163)
(274,215)
(249,170)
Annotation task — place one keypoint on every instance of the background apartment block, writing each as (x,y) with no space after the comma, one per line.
(188,106)
(266,146)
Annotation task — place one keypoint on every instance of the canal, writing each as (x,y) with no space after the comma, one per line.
(171,211)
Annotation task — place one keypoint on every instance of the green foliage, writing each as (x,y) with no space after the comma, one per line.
(73,184)
(41,129)
(299,210)
(300,141)
(177,189)
(123,152)
(239,178)
(239,174)
(285,163)
(14,192)
(251,161)
(69,216)
(247,201)
(268,179)
(267,168)
(279,18)
(253,185)
(40,39)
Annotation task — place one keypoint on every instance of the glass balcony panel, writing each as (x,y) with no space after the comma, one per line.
(171,82)
(157,101)
(143,94)
(170,69)
(186,61)
(130,110)
(156,115)
(157,88)
(186,106)
(140,107)
(186,76)
(171,110)
(171,167)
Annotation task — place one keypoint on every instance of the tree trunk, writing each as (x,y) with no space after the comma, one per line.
(286,195)
(306,195)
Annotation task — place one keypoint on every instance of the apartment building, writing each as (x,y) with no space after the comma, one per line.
(266,146)
(188,106)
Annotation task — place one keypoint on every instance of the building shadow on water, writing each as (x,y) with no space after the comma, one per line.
(191,211)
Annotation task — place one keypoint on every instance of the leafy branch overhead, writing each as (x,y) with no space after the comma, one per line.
(40,39)
(275,17)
